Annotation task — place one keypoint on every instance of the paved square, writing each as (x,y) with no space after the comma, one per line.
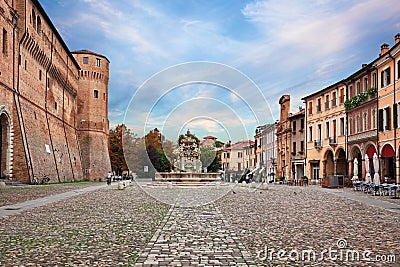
(110,227)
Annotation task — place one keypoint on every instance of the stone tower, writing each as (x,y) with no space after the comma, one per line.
(92,114)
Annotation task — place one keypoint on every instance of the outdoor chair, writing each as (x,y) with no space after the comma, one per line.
(357,185)
(383,190)
(365,187)
(374,188)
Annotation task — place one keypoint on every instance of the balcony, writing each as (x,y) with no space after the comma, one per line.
(332,141)
(317,144)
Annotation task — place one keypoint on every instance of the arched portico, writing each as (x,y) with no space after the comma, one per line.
(6,143)
(388,162)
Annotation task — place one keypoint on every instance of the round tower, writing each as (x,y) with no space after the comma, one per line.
(92,114)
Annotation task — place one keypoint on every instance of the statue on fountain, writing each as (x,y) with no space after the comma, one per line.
(188,155)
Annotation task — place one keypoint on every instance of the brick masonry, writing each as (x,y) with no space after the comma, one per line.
(51,124)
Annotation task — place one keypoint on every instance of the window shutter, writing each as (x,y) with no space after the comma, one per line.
(380,120)
(382,77)
(388,118)
(388,76)
(395,115)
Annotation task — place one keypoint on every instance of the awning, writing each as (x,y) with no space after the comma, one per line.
(370,151)
(387,151)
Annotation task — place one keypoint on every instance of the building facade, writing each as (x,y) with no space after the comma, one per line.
(325,136)
(388,70)
(361,119)
(297,122)
(284,140)
(42,102)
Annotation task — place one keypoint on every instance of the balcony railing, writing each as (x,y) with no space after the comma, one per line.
(333,102)
(318,108)
(332,141)
(317,143)
(326,105)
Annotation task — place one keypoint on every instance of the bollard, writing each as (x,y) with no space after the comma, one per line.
(264,186)
(121,185)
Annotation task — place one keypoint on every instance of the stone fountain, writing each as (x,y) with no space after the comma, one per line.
(187,166)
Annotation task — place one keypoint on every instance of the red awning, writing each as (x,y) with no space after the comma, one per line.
(387,152)
(370,151)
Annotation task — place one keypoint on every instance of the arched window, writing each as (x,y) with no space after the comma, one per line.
(39,25)
(33,18)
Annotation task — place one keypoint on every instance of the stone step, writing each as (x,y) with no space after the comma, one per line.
(12,182)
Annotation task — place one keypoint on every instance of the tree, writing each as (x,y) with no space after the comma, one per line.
(116,152)
(218,144)
(207,156)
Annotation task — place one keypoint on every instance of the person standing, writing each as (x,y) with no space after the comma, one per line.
(109,178)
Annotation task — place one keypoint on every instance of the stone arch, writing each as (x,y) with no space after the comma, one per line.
(6,144)
(329,159)
(388,162)
(354,149)
(369,148)
(356,152)
(340,160)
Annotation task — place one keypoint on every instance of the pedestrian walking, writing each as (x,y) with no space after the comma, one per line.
(109,174)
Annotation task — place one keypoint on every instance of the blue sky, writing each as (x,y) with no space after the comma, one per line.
(284,47)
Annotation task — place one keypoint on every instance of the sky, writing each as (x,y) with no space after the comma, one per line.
(219,67)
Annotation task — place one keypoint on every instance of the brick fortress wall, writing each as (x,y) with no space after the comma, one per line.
(92,102)
(39,103)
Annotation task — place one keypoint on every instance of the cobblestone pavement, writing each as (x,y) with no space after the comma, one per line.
(107,227)
(15,194)
(195,236)
(110,227)
(301,219)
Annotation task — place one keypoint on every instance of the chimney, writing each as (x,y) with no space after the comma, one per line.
(364,65)
(384,48)
(397,38)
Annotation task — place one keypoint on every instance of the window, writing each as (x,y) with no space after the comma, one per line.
(96,94)
(301,124)
(98,62)
(310,134)
(294,148)
(104,96)
(351,92)
(326,102)
(319,105)
(395,116)
(25,65)
(334,99)
(40,75)
(55,106)
(240,154)
(365,84)
(385,77)
(341,126)
(357,123)
(319,132)
(365,121)
(341,95)
(48,83)
(39,25)
(374,80)
(327,134)
(85,60)
(334,128)
(387,118)
(358,91)
(294,126)
(384,119)
(351,128)
(33,17)
(301,146)
(373,118)
(398,69)
(310,108)
(239,166)
(5,41)
(228,155)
